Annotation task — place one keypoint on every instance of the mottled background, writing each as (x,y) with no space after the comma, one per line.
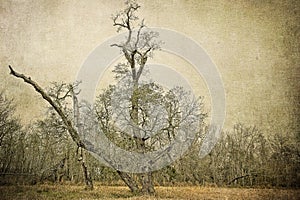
(254,44)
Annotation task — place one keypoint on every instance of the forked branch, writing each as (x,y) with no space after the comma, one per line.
(72,131)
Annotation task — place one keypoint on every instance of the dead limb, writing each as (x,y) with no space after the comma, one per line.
(74,134)
(72,131)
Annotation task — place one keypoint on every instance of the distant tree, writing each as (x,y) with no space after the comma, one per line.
(283,167)
(12,142)
(8,122)
(238,158)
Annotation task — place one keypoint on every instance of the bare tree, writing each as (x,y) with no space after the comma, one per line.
(55,97)
(150,116)
(8,123)
(138,46)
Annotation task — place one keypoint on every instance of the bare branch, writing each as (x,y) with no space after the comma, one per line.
(138,34)
(72,131)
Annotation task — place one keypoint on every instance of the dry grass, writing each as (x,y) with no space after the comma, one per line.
(68,192)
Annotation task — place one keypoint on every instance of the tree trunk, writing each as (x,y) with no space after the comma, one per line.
(147,184)
(145,178)
(87,177)
(134,188)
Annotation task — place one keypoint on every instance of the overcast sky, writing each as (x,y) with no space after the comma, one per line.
(253,44)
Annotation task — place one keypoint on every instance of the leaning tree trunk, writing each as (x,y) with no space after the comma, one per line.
(72,131)
(129,181)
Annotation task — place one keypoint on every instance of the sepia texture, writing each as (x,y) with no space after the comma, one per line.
(254,44)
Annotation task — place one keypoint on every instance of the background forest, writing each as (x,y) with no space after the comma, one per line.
(244,156)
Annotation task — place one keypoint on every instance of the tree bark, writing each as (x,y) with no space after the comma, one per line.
(87,178)
(133,186)
(147,184)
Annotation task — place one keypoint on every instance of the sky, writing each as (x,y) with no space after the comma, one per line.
(253,44)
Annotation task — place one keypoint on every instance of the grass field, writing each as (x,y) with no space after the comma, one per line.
(68,192)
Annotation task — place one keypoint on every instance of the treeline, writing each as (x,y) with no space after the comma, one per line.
(244,156)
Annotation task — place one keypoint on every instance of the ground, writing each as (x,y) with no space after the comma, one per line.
(68,192)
